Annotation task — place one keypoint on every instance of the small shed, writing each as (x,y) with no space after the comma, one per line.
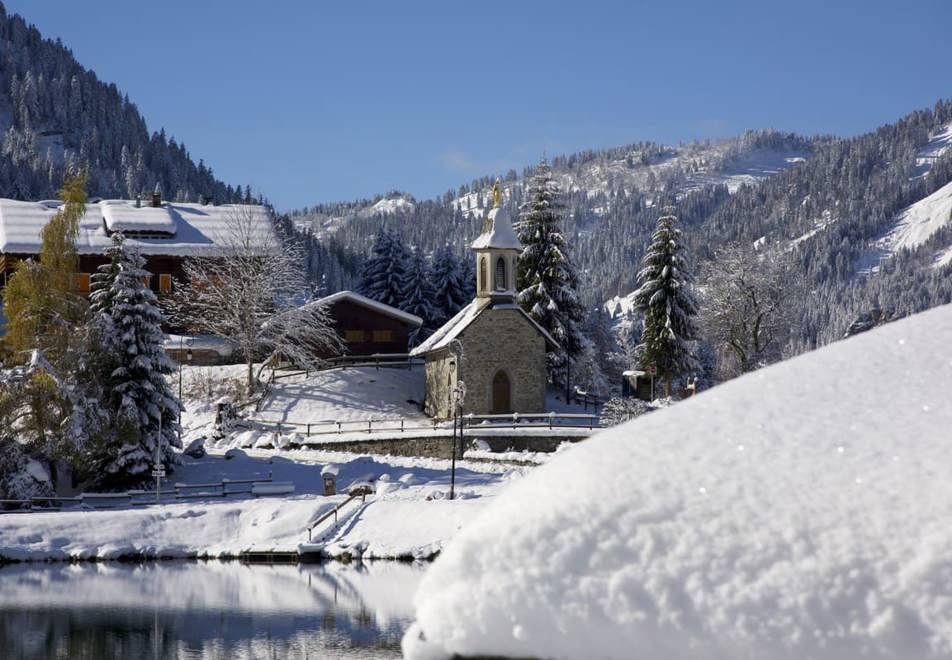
(367,327)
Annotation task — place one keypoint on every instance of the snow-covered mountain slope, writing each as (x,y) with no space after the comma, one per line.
(797,512)
(56,116)
(640,169)
(919,222)
(327,219)
(938,144)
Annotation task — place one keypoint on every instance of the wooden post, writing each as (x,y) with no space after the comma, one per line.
(309,429)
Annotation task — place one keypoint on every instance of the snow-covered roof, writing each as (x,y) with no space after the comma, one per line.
(800,511)
(191,229)
(123,215)
(499,234)
(463,318)
(364,301)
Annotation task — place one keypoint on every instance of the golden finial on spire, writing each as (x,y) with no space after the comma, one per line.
(497,196)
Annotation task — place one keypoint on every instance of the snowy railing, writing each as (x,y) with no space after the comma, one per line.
(339,427)
(549,420)
(362,492)
(377,360)
(222,488)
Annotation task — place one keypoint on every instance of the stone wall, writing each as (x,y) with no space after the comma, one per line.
(440,379)
(503,339)
(499,338)
(438,447)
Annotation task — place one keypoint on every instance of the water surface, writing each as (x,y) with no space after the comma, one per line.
(206,610)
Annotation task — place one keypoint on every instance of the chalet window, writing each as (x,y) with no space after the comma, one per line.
(353,335)
(147,281)
(165,283)
(82,283)
(501,274)
(482,274)
(383,336)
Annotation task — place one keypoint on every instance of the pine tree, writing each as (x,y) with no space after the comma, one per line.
(418,296)
(449,291)
(546,277)
(383,276)
(125,312)
(667,304)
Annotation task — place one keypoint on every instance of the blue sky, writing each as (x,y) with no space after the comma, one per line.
(312,101)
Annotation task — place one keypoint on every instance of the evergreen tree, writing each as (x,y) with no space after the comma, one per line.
(667,304)
(469,279)
(128,320)
(418,295)
(546,277)
(449,291)
(383,277)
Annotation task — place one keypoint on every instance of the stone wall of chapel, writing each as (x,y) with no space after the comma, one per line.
(503,339)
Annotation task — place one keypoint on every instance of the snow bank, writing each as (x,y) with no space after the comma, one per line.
(407,517)
(798,512)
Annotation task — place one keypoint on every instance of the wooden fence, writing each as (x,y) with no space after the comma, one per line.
(179,491)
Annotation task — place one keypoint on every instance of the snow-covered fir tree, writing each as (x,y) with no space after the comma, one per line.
(383,277)
(129,325)
(449,290)
(546,279)
(418,296)
(667,341)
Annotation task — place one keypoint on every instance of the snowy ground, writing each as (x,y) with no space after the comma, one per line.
(409,516)
(801,511)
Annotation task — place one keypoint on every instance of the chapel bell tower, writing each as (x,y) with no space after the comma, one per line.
(497,252)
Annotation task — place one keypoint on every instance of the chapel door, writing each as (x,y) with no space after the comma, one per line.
(502,404)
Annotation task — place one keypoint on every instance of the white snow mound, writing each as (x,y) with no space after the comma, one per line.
(801,511)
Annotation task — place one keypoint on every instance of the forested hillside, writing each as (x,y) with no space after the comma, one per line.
(611,198)
(57,117)
(867,218)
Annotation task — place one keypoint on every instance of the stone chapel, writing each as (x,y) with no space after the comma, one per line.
(492,345)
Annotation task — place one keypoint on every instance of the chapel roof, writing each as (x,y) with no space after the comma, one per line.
(464,318)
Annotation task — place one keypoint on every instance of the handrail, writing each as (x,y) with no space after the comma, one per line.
(518,418)
(339,427)
(362,492)
(33,502)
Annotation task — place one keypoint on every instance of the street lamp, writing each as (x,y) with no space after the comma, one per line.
(188,342)
(459,395)
(158,470)
(188,357)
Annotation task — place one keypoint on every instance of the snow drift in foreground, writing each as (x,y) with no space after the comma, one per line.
(798,512)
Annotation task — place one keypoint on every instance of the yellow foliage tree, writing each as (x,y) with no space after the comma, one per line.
(41,300)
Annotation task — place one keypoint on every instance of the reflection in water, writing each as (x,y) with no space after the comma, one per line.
(205,610)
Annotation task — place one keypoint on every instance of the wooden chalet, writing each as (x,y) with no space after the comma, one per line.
(368,327)
(166,233)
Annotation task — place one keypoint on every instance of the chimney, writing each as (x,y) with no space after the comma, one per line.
(157,197)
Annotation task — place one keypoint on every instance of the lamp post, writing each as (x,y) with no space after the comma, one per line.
(459,394)
(188,357)
(188,342)
(158,470)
